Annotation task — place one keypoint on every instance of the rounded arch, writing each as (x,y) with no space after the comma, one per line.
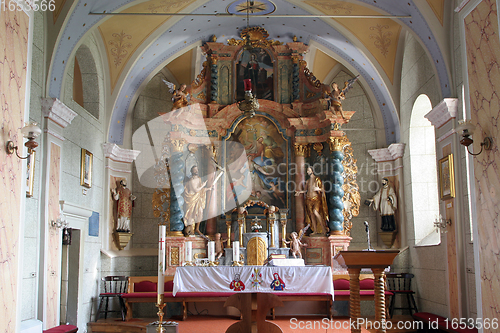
(424,186)
(88,80)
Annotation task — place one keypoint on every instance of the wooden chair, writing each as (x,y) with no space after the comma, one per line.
(114,287)
(400,284)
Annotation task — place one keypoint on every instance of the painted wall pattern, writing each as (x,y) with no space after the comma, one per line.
(483,65)
(14,32)
(53,241)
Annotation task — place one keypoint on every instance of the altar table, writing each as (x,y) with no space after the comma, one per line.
(254,279)
(255,289)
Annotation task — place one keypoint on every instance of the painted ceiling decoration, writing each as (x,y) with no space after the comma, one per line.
(364,46)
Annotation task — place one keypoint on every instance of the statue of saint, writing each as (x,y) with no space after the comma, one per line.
(124,197)
(316,207)
(195,200)
(386,203)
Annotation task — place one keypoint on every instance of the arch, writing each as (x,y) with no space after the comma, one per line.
(424,186)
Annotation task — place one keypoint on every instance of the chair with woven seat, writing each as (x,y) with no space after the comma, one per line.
(114,287)
(400,284)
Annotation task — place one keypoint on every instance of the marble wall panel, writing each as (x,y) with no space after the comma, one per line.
(14,36)
(52,287)
(483,57)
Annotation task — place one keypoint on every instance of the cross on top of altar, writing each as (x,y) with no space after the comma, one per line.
(256,226)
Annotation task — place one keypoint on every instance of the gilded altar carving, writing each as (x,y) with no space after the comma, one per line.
(352,197)
(256,37)
(256,251)
(174,256)
(177,145)
(160,197)
(301,149)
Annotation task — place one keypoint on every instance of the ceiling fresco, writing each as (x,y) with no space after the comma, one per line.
(138,46)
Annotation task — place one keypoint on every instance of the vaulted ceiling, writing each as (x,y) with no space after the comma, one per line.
(368,40)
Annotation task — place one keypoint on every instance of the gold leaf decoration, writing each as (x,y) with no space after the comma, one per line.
(352,197)
(255,36)
(382,40)
(119,46)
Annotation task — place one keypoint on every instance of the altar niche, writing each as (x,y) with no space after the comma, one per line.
(259,162)
(255,64)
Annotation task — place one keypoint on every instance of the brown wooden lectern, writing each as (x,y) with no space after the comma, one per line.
(377,261)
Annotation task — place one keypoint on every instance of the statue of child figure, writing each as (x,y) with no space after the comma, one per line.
(295,245)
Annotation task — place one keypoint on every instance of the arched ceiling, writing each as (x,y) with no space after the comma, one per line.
(136,47)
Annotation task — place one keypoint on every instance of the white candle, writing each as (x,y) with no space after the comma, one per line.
(236,251)
(211,251)
(161,258)
(189,251)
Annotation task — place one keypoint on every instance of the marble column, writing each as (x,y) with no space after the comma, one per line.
(176,165)
(335,203)
(212,194)
(214,79)
(301,151)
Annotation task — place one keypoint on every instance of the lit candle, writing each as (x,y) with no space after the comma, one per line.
(189,251)
(161,258)
(211,251)
(248,84)
(236,251)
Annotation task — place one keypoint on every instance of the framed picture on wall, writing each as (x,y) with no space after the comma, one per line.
(30,173)
(86,169)
(446,178)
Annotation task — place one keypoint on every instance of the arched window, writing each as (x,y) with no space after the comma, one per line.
(424,187)
(86,81)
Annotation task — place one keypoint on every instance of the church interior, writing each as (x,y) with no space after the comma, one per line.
(141,138)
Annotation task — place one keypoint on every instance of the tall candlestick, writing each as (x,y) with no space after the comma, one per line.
(189,251)
(161,260)
(236,251)
(211,251)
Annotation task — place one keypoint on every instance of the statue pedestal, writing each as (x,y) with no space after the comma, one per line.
(176,251)
(321,250)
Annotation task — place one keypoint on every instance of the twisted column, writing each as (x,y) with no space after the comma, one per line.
(379,298)
(214,79)
(295,78)
(176,164)
(354,299)
(335,203)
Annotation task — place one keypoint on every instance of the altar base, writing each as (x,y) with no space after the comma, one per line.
(321,250)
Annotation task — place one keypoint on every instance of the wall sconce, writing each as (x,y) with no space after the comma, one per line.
(30,131)
(440,223)
(60,222)
(466,129)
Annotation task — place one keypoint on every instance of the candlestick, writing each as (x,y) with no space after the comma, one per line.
(161,260)
(236,254)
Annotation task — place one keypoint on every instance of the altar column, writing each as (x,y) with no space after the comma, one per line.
(301,150)
(212,194)
(336,205)
(176,168)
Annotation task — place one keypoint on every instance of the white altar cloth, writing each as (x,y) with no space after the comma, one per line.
(251,279)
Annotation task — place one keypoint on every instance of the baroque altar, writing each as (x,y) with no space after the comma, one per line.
(263,134)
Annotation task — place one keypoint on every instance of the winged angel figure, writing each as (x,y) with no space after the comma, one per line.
(336,96)
(180,97)
(295,242)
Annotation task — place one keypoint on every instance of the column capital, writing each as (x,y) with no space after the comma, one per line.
(337,143)
(301,149)
(177,145)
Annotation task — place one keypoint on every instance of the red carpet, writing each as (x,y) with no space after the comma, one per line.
(206,324)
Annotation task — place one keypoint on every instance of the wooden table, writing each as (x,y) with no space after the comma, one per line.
(377,261)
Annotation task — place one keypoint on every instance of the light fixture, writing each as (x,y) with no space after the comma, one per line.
(466,129)
(30,131)
(60,222)
(440,223)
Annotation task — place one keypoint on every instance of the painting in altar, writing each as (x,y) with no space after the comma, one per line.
(256,64)
(259,167)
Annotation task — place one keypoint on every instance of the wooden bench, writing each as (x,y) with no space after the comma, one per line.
(142,289)
(435,323)
(62,329)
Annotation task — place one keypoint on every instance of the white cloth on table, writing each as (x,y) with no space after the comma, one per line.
(296,279)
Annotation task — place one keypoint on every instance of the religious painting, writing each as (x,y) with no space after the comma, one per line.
(86,168)
(257,65)
(30,173)
(256,163)
(446,178)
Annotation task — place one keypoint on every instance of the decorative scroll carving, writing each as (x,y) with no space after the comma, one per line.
(352,197)
(160,197)
(311,78)
(200,78)
(256,37)
(174,256)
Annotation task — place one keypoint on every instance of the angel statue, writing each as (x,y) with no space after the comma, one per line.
(295,242)
(180,97)
(336,96)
